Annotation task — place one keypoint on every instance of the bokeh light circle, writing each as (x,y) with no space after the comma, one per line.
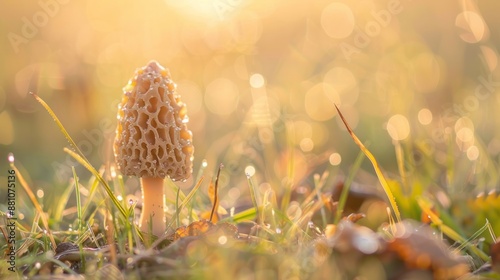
(398,127)
(464,134)
(344,82)
(473,26)
(335,159)
(306,144)
(257,80)
(473,152)
(425,116)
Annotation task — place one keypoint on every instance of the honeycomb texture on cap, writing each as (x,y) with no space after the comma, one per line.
(152,138)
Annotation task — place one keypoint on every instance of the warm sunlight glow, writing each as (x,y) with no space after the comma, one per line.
(7,135)
(191,95)
(337,20)
(343,81)
(204,9)
(221,97)
(426,72)
(319,102)
(286,106)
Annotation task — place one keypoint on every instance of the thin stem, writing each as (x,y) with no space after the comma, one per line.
(153,206)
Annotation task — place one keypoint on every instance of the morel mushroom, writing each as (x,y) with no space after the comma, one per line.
(152,139)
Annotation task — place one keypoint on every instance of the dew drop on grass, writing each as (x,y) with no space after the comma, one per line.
(113,172)
(278,231)
(11,157)
(250,170)
(130,202)
(70,228)
(38,265)
(40,193)
(204,163)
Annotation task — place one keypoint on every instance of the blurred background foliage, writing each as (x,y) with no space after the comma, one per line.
(260,79)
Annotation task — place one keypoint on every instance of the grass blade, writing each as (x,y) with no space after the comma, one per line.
(177,214)
(243,216)
(288,185)
(59,124)
(57,213)
(374,162)
(37,205)
(98,176)
(253,194)
(186,200)
(214,196)
(79,156)
(426,208)
(78,201)
(347,185)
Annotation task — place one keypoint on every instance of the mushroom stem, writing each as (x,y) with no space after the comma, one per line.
(153,205)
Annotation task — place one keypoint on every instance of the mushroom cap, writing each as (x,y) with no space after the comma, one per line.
(152,138)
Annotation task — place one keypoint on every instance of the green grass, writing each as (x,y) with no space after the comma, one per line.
(280,234)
